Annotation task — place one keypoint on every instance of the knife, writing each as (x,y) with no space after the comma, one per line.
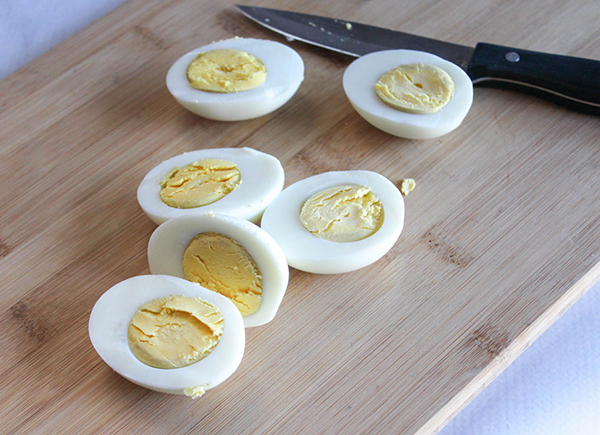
(569,81)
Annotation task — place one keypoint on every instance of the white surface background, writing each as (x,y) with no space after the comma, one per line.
(553,388)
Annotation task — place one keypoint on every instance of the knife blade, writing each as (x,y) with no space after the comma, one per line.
(569,81)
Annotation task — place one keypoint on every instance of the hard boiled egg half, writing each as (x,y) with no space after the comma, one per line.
(226,254)
(234,181)
(168,334)
(430,78)
(242,78)
(336,222)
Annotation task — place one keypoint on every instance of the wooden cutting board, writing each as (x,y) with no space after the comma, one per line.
(502,233)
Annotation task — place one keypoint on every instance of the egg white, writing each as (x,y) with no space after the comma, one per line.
(285,72)
(262,179)
(109,323)
(361,76)
(169,241)
(307,252)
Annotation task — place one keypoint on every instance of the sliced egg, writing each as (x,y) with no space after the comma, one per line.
(362,75)
(260,180)
(284,73)
(307,251)
(110,321)
(212,261)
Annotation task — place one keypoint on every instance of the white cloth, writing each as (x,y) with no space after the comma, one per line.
(553,388)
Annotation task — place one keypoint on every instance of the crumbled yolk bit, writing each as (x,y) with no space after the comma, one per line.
(407,185)
(194,392)
(221,264)
(342,214)
(415,88)
(199,183)
(174,331)
(226,71)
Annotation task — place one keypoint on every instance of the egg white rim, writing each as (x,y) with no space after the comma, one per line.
(307,252)
(109,323)
(175,235)
(262,178)
(285,69)
(362,74)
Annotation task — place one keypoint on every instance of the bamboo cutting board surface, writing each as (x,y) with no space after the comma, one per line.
(501,235)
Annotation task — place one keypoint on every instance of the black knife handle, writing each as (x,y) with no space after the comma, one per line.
(569,81)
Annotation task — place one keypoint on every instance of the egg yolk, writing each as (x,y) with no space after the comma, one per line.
(343,213)
(226,71)
(415,88)
(407,186)
(199,183)
(221,264)
(174,331)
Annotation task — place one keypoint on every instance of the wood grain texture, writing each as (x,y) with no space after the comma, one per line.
(501,235)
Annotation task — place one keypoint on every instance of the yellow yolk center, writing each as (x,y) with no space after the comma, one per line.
(175,331)
(226,71)
(199,183)
(343,213)
(416,88)
(219,263)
